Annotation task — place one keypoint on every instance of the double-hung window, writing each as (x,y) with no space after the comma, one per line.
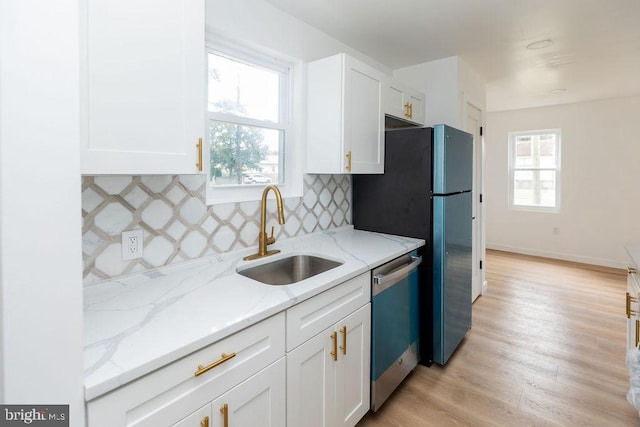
(534,170)
(249,124)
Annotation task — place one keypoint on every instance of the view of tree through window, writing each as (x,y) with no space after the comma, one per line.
(246,130)
(534,169)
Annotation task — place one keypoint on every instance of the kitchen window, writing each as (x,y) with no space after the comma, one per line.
(534,170)
(250,134)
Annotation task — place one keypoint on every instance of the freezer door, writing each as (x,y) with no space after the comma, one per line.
(397,202)
(452,160)
(452,267)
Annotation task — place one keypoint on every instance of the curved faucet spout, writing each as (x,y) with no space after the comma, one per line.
(263,240)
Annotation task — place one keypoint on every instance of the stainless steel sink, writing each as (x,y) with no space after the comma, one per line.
(286,271)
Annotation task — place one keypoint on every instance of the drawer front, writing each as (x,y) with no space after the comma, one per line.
(318,313)
(165,396)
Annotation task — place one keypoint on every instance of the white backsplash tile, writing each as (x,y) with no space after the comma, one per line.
(113,184)
(179,226)
(113,218)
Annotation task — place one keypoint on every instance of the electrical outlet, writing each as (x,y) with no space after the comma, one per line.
(132,243)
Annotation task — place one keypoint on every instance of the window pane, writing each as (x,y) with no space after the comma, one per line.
(547,150)
(243,90)
(523,151)
(245,154)
(534,188)
(547,188)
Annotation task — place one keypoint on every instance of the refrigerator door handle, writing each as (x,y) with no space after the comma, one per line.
(395,275)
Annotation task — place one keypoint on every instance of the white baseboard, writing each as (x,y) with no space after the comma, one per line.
(556,255)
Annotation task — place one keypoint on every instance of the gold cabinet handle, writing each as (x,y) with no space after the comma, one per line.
(406,109)
(204,422)
(410,110)
(334,353)
(348,161)
(199,146)
(637,332)
(631,270)
(224,357)
(629,300)
(225,415)
(343,347)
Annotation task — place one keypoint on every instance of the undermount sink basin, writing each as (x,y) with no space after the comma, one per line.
(285,271)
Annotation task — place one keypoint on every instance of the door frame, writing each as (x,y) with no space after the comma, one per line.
(479,282)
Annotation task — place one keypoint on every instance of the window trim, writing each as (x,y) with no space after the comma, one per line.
(290,101)
(513,169)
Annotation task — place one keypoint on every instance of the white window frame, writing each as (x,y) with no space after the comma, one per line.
(289,122)
(513,169)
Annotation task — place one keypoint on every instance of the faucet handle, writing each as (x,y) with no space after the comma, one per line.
(271,240)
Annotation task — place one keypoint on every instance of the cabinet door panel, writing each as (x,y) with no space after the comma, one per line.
(417,107)
(352,370)
(363,123)
(259,401)
(395,100)
(345,118)
(197,419)
(142,86)
(310,382)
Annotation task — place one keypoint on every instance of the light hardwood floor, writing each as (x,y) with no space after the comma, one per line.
(547,348)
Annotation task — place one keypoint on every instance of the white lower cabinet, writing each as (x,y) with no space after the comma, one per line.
(258,401)
(328,374)
(200,418)
(245,380)
(353,367)
(311,382)
(165,396)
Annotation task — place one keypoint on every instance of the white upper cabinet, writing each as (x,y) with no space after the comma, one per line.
(404,103)
(142,86)
(345,117)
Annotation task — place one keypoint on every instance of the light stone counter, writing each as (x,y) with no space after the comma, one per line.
(139,323)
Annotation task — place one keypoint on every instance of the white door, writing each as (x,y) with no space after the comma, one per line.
(258,401)
(201,417)
(473,123)
(352,370)
(363,118)
(311,382)
(142,86)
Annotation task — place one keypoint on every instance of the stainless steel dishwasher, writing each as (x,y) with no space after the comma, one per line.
(394,325)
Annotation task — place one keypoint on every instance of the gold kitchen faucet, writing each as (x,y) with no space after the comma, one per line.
(263,240)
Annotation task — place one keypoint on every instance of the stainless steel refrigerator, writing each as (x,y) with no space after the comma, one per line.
(425,192)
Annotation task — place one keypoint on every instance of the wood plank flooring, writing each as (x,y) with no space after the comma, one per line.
(547,348)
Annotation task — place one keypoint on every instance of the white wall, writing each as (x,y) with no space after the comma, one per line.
(257,23)
(40,224)
(472,89)
(600,187)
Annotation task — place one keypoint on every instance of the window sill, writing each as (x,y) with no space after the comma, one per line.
(248,193)
(539,209)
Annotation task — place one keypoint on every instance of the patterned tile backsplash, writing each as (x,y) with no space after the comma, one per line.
(178,225)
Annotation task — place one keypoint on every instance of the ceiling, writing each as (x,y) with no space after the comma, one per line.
(595,52)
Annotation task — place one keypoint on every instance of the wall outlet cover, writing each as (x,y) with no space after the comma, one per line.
(132,244)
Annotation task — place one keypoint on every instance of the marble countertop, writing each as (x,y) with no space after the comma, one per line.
(633,249)
(139,323)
